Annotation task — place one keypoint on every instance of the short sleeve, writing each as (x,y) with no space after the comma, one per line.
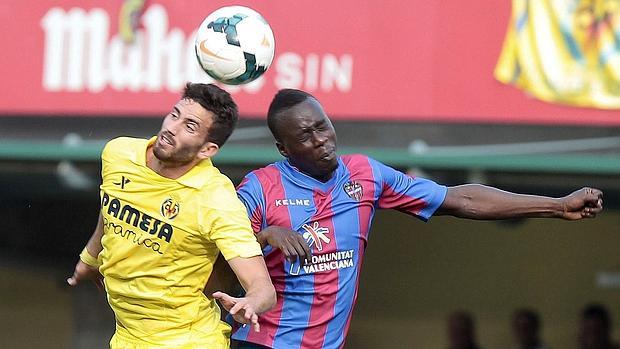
(225,222)
(251,195)
(106,157)
(416,196)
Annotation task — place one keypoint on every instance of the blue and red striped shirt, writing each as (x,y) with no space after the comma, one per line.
(315,301)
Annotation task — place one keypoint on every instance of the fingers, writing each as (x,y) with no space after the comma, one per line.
(74,279)
(237,307)
(227,301)
(289,252)
(243,312)
(592,196)
(295,247)
(303,250)
(255,323)
(249,316)
(590,212)
(221,296)
(99,284)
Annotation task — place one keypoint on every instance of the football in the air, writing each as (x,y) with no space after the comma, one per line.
(235,45)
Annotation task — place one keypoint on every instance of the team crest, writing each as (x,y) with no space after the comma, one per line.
(354,190)
(170,208)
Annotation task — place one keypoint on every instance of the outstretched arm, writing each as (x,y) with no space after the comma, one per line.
(260,294)
(475,201)
(87,266)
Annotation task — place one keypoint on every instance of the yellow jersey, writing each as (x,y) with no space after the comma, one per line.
(161,238)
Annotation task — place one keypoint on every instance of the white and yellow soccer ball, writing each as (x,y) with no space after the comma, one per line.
(235,45)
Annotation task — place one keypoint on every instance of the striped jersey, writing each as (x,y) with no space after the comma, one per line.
(315,300)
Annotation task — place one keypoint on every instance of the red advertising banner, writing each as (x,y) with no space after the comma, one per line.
(399,60)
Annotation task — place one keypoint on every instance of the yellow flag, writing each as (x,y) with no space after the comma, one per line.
(564,51)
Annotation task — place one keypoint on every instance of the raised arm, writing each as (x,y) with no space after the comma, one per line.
(260,294)
(475,201)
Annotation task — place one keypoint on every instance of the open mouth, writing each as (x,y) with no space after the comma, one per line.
(166,139)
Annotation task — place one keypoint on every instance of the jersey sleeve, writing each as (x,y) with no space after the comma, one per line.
(107,157)
(116,150)
(251,195)
(226,224)
(416,196)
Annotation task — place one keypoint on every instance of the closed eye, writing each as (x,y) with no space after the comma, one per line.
(192,127)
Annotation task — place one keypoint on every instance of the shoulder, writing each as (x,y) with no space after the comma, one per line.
(125,142)
(122,147)
(355,158)
(219,193)
(360,165)
(266,175)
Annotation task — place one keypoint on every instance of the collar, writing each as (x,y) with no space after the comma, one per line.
(310,182)
(196,177)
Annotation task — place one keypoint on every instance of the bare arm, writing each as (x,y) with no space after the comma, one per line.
(291,243)
(94,243)
(476,201)
(260,295)
(85,271)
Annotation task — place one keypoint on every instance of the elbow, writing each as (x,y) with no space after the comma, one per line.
(466,208)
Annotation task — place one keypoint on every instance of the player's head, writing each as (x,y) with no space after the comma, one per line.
(197,126)
(595,327)
(526,327)
(303,132)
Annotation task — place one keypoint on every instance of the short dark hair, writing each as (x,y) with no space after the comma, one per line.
(597,311)
(220,103)
(530,314)
(282,101)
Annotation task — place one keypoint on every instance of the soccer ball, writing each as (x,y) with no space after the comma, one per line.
(234,45)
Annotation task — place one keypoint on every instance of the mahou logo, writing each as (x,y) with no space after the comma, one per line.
(80,55)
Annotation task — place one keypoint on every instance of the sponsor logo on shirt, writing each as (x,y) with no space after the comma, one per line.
(292,202)
(135,226)
(316,236)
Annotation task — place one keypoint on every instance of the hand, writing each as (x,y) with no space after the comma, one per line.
(84,271)
(290,242)
(241,309)
(583,203)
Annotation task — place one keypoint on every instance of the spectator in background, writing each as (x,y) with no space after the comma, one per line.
(462,331)
(595,328)
(526,329)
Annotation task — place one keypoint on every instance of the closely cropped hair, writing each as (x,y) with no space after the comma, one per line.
(282,101)
(220,103)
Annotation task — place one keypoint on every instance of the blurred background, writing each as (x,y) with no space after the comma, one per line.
(521,95)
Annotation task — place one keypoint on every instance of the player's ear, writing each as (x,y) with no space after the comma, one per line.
(208,150)
(281,149)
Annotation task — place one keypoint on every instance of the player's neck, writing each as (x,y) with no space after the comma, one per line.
(323,178)
(166,169)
